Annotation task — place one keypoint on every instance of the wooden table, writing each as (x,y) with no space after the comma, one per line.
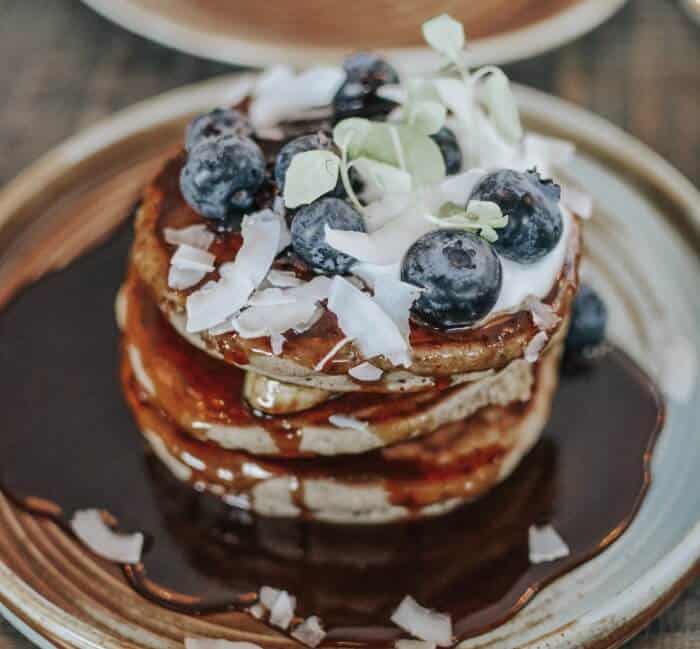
(64,68)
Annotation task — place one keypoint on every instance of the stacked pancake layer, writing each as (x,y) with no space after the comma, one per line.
(284,435)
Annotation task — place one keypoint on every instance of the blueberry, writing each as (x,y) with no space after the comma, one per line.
(449,147)
(309,234)
(588,319)
(460,274)
(220,121)
(365,73)
(222,176)
(302,144)
(532,205)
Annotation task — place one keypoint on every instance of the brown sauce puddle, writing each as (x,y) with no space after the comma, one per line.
(69,439)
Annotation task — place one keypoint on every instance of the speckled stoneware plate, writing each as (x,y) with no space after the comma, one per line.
(251,36)
(642,252)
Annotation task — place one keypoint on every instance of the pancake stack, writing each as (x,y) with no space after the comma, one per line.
(317,419)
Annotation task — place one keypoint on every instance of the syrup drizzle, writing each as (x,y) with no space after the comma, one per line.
(69,442)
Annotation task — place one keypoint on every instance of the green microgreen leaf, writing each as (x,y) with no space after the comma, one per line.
(427,116)
(501,104)
(396,144)
(311,174)
(483,217)
(381,178)
(445,35)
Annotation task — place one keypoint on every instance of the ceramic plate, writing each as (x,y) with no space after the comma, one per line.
(192,30)
(641,251)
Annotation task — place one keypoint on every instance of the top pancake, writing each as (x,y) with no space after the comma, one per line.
(437,356)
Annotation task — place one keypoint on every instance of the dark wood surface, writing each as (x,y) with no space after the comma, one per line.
(63,68)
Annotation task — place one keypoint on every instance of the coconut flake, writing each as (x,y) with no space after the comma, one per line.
(208,643)
(543,316)
(545,544)
(334,350)
(281,95)
(257,611)
(396,299)
(535,346)
(268,597)
(386,245)
(188,266)
(310,632)
(215,302)
(282,611)
(355,311)
(343,421)
(423,623)
(546,153)
(577,201)
(366,372)
(89,526)
(283,279)
(197,236)
(189,258)
(277,343)
(414,644)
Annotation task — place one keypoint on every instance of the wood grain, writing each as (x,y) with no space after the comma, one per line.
(65,68)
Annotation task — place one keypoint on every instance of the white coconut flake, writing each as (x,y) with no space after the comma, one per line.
(197,236)
(546,545)
(190,258)
(386,245)
(281,94)
(414,644)
(283,279)
(89,526)
(546,153)
(365,372)
(535,346)
(277,343)
(396,299)
(208,643)
(268,596)
(343,421)
(423,623)
(334,350)
(310,632)
(361,318)
(215,302)
(282,611)
(257,611)
(543,316)
(577,201)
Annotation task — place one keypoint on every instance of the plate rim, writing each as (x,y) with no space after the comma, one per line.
(628,613)
(526,42)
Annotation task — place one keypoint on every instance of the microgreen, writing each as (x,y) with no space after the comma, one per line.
(483,217)
(311,174)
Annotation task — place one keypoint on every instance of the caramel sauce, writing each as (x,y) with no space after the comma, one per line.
(69,442)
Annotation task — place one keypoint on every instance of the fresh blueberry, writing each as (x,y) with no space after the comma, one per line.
(222,176)
(220,121)
(588,319)
(309,234)
(532,206)
(449,147)
(460,274)
(311,142)
(365,73)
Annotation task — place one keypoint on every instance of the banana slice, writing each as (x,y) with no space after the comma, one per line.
(277,398)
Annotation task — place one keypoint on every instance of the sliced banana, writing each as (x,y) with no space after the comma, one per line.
(277,398)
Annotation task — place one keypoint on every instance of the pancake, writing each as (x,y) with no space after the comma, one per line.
(424,477)
(492,344)
(204,396)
